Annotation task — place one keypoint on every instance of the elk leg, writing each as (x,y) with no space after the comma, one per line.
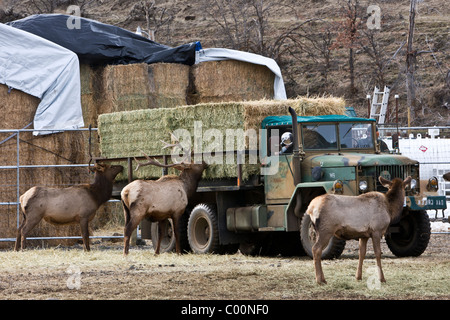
(161,227)
(321,243)
(28,225)
(175,233)
(376,239)
(128,230)
(84,226)
(362,255)
(19,234)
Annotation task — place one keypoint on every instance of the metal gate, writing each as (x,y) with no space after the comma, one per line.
(18,167)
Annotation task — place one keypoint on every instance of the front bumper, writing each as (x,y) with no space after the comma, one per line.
(425,202)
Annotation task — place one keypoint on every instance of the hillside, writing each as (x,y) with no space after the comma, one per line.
(302,49)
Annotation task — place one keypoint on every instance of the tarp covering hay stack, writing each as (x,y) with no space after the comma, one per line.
(125,134)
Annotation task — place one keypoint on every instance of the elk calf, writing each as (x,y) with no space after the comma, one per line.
(59,206)
(356,217)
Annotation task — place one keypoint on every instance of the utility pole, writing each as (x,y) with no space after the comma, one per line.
(410,62)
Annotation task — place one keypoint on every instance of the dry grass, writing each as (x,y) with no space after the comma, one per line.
(106,274)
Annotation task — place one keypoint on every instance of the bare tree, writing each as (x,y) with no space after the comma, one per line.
(43,6)
(233,19)
(245,25)
(349,34)
(156,16)
(315,39)
(371,45)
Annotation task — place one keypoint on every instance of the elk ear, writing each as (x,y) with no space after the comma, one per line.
(385,183)
(446,176)
(407,181)
(180,166)
(99,167)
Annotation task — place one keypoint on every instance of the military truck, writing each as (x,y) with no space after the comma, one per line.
(265,214)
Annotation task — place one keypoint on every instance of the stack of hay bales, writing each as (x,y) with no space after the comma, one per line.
(144,86)
(125,134)
(91,97)
(229,80)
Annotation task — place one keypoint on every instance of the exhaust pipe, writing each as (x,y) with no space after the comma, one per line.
(296,151)
(296,164)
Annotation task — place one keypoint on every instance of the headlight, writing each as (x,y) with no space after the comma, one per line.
(338,186)
(363,186)
(433,184)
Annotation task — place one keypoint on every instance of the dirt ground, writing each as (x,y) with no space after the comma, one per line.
(69,273)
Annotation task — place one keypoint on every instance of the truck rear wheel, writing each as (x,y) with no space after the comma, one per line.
(308,237)
(413,235)
(203,231)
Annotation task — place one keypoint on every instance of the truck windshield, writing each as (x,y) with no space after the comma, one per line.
(319,136)
(355,135)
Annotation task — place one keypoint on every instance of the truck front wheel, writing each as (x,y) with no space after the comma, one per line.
(412,235)
(203,232)
(308,237)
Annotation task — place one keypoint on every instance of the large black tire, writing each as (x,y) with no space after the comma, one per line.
(168,241)
(308,237)
(202,230)
(413,236)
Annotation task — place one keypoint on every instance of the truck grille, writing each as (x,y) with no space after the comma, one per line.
(394,171)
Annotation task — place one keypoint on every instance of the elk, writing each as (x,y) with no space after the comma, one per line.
(447,176)
(356,217)
(60,206)
(160,199)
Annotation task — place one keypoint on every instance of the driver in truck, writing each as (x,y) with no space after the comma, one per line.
(287,143)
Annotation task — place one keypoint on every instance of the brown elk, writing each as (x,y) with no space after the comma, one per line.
(160,199)
(356,217)
(59,206)
(447,176)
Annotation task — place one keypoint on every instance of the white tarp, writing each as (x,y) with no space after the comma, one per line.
(214,54)
(45,70)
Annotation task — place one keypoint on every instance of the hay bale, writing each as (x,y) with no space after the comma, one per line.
(144,86)
(125,134)
(229,80)
(89,102)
